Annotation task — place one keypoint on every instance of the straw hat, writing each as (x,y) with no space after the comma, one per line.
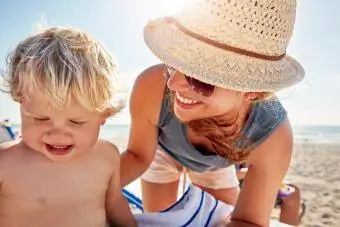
(239,45)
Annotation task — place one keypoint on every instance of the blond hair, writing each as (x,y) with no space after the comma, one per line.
(62,63)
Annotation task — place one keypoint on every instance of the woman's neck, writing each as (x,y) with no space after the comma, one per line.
(243,115)
(227,126)
(236,117)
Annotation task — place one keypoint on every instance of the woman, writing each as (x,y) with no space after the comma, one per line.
(212,104)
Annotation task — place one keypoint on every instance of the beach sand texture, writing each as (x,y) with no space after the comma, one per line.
(315,169)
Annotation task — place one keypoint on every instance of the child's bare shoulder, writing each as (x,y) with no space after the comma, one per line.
(8,156)
(9,144)
(108,150)
(9,147)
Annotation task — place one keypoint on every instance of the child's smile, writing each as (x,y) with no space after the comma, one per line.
(58,149)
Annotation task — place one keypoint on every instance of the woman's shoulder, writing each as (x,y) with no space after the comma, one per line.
(148,93)
(152,76)
(265,118)
(269,112)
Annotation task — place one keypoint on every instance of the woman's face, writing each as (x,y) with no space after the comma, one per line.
(190,105)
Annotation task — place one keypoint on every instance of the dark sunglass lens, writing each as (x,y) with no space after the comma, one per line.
(200,87)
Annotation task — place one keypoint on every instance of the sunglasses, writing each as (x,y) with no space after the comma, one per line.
(197,86)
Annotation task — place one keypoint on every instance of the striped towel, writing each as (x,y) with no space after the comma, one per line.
(195,208)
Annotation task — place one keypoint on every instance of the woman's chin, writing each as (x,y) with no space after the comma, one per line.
(183,117)
(186,116)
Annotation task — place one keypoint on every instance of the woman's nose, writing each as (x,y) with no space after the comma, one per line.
(177,82)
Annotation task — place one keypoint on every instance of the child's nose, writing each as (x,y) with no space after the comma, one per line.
(57,132)
(57,125)
(58,128)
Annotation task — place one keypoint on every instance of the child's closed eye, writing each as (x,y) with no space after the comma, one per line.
(74,122)
(41,119)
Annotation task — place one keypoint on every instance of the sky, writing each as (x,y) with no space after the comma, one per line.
(118,24)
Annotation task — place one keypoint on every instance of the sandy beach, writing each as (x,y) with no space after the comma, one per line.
(315,169)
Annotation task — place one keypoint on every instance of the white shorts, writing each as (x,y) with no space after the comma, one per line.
(164,169)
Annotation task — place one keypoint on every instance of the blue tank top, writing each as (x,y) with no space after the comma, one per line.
(264,118)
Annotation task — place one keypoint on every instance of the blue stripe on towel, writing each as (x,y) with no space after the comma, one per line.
(169,208)
(197,211)
(211,213)
(132,199)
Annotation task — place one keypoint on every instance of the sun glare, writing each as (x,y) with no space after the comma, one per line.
(159,8)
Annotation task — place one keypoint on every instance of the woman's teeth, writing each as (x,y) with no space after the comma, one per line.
(185,100)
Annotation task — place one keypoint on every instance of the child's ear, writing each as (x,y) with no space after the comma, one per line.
(102,122)
(104,115)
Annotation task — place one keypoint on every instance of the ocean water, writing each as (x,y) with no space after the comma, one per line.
(317,134)
(107,131)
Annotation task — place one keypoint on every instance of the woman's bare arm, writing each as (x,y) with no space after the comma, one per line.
(145,104)
(267,166)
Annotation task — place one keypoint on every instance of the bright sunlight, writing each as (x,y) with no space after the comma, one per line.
(158,8)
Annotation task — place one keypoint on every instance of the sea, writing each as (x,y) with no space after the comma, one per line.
(304,133)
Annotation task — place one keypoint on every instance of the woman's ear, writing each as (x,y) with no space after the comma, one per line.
(251,96)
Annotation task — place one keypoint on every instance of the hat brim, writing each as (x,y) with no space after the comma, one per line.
(216,66)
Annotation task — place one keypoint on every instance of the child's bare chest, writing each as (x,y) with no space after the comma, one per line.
(47,184)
